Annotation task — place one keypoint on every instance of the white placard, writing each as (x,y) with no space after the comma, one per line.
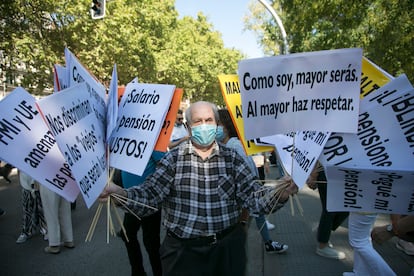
(385,137)
(71,119)
(299,152)
(79,74)
(366,190)
(27,143)
(304,91)
(141,114)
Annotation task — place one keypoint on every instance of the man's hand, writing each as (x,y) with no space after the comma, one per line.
(380,234)
(290,190)
(111,189)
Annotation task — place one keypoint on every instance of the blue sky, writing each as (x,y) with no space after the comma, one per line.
(227,18)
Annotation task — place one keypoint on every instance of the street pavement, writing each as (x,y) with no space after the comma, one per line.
(98,257)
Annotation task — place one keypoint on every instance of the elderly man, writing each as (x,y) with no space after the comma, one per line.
(202,187)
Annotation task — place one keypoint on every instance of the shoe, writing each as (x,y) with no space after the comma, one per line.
(405,246)
(2,212)
(43,232)
(329,252)
(270,226)
(69,245)
(23,238)
(52,249)
(275,247)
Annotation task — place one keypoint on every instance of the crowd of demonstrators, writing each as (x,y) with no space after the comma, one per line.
(202,187)
(33,218)
(58,217)
(180,132)
(328,221)
(227,134)
(150,226)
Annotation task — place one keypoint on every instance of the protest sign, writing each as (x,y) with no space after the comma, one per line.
(299,152)
(78,74)
(377,143)
(28,144)
(141,115)
(372,77)
(316,91)
(112,105)
(71,119)
(60,80)
(380,190)
(168,125)
(230,89)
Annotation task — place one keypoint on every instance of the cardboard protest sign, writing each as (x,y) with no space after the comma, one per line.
(28,144)
(299,152)
(380,190)
(141,115)
(78,74)
(316,91)
(168,125)
(112,106)
(60,80)
(377,143)
(372,77)
(230,89)
(71,118)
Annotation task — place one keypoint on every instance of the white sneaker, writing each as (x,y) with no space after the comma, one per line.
(270,226)
(22,238)
(405,246)
(329,252)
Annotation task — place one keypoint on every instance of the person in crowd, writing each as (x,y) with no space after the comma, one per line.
(401,226)
(328,221)
(227,134)
(262,165)
(180,131)
(5,172)
(202,186)
(367,261)
(33,216)
(58,220)
(150,225)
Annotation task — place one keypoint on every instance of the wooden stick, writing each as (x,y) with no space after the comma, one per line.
(125,199)
(298,204)
(108,217)
(94,222)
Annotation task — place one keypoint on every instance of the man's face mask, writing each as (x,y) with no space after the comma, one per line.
(204,134)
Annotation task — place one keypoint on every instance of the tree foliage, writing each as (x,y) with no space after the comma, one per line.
(144,38)
(384,29)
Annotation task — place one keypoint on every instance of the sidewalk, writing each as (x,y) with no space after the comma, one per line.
(99,258)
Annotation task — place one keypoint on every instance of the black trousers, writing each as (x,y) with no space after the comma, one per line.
(151,238)
(329,221)
(226,257)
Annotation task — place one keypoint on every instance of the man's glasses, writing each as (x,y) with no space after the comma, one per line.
(180,119)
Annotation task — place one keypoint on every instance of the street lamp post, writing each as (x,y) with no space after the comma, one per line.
(279,23)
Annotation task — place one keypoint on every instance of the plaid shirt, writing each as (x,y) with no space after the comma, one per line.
(200,197)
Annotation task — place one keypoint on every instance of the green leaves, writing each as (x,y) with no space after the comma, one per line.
(144,38)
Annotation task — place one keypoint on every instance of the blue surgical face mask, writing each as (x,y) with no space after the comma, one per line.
(204,134)
(220,135)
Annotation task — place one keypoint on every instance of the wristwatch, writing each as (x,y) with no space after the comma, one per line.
(390,229)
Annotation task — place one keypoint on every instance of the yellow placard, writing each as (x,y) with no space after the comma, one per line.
(372,77)
(230,89)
